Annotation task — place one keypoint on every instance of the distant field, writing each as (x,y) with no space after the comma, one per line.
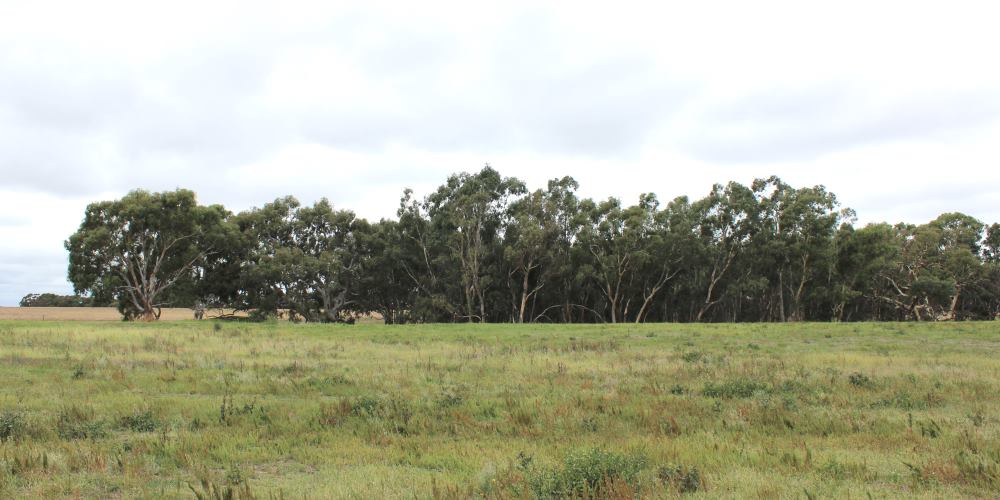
(275,410)
(87,313)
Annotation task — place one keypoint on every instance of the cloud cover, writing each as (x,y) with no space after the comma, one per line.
(894,106)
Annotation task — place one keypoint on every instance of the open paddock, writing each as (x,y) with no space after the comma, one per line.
(279,410)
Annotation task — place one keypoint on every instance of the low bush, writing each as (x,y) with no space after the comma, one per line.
(742,388)
(139,421)
(74,422)
(11,425)
(583,473)
(680,478)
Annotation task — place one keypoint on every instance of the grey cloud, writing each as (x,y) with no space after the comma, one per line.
(805,123)
(970,197)
(78,123)
(25,273)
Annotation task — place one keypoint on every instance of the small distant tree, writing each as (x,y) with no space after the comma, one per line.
(143,251)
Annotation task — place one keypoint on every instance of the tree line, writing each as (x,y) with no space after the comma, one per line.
(483,248)
(54,300)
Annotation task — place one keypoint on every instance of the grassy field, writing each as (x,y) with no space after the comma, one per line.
(189,408)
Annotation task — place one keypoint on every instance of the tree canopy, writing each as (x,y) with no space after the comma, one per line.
(483,248)
(144,251)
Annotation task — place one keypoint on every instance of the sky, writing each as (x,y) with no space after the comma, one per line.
(893,106)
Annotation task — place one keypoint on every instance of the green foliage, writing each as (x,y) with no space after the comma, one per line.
(11,425)
(483,248)
(75,422)
(858,379)
(139,421)
(680,478)
(145,250)
(740,388)
(590,472)
(53,300)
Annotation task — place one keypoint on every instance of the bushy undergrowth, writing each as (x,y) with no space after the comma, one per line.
(11,425)
(75,422)
(584,473)
(741,388)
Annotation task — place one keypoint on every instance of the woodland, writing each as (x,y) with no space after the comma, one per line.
(482,247)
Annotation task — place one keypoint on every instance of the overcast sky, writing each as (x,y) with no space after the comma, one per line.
(894,106)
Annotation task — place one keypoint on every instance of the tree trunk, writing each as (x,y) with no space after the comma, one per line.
(781,295)
(524,298)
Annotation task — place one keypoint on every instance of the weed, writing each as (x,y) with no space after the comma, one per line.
(366,406)
(741,388)
(858,379)
(929,429)
(901,400)
(978,472)
(228,410)
(74,422)
(693,356)
(585,473)
(212,491)
(26,462)
(977,418)
(451,396)
(681,478)
(11,425)
(139,421)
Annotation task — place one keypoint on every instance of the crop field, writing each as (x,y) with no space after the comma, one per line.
(90,313)
(276,410)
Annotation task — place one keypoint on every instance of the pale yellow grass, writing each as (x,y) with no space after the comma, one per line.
(90,313)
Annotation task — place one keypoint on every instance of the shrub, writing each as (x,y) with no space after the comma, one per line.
(693,356)
(858,379)
(11,425)
(451,396)
(366,406)
(741,388)
(138,422)
(585,472)
(74,422)
(680,478)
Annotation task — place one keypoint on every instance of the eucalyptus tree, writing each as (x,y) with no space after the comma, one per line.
(668,244)
(480,248)
(426,262)
(328,240)
(939,261)
(537,237)
(304,259)
(728,219)
(386,288)
(959,257)
(266,231)
(630,261)
(864,258)
(470,210)
(991,245)
(800,224)
(144,251)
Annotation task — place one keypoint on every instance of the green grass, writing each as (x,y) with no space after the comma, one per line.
(501,411)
